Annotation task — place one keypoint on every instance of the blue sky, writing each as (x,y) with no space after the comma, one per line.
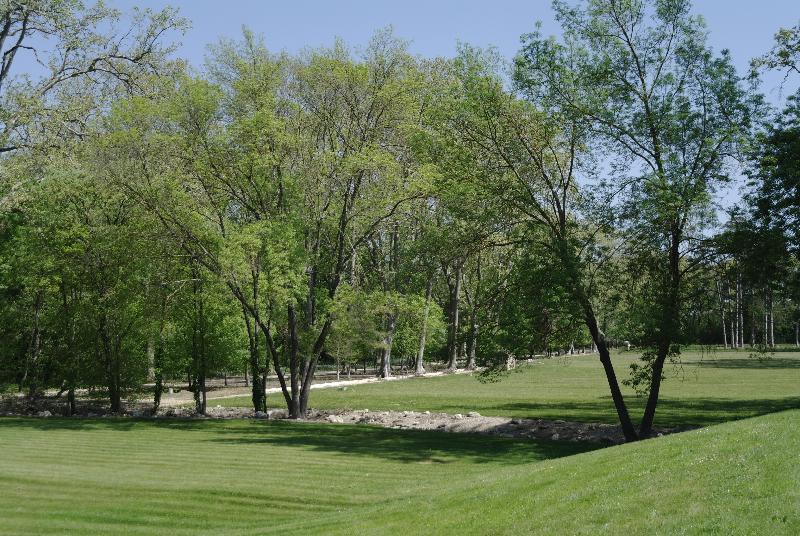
(746,27)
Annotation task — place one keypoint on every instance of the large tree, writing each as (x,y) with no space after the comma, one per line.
(640,75)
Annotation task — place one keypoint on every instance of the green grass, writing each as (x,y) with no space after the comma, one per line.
(255,477)
(706,389)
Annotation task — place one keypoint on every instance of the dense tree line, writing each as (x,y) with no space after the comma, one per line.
(274,212)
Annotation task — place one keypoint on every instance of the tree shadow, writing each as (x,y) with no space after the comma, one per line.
(671,412)
(419,446)
(752,363)
(409,446)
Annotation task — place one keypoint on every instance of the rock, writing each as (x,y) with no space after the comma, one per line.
(366,411)
(555,437)
(458,416)
(278,414)
(473,414)
(44,413)
(335,418)
(515,421)
(171,391)
(260,415)
(218,406)
(427,413)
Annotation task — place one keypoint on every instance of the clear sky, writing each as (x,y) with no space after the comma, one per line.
(746,27)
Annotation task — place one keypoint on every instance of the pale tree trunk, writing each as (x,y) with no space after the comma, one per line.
(766,321)
(771,322)
(741,315)
(420,368)
(797,334)
(722,315)
(386,351)
(452,339)
(473,341)
(151,358)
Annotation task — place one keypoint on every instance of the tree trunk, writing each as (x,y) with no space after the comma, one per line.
(452,338)
(71,402)
(151,358)
(797,334)
(722,315)
(605,358)
(771,322)
(473,340)
(669,327)
(294,365)
(420,364)
(257,393)
(34,349)
(386,351)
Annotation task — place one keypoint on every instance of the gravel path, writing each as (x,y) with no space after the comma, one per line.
(183,397)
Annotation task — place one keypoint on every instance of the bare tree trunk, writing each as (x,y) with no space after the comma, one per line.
(722,315)
(473,341)
(386,351)
(257,393)
(741,315)
(771,322)
(294,365)
(766,321)
(605,358)
(34,348)
(797,334)
(670,329)
(452,339)
(420,365)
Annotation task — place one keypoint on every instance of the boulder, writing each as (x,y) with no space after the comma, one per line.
(335,418)
(473,414)
(458,416)
(278,414)
(44,413)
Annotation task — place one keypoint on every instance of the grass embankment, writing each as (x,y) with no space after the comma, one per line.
(707,388)
(246,477)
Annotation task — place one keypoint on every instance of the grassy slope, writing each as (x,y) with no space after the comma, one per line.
(240,477)
(187,477)
(735,478)
(706,389)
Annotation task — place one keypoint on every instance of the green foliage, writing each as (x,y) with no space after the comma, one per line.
(641,373)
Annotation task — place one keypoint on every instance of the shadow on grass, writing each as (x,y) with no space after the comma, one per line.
(671,412)
(411,446)
(752,363)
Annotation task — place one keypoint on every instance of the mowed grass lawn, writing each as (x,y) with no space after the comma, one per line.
(707,388)
(118,476)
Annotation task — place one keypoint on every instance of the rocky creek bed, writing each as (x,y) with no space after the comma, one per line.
(471,422)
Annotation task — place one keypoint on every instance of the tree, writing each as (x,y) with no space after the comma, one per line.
(641,77)
(80,68)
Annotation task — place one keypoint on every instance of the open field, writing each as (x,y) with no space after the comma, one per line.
(247,477)
(707,388)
